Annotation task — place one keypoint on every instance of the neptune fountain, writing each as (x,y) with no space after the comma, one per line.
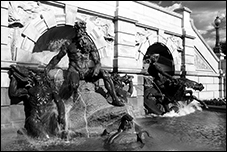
(71,107)
(67,106)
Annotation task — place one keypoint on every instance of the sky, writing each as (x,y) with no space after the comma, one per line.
(203,15)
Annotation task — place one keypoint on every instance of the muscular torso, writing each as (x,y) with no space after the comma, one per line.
(78,58)
(40,97)
(81,54)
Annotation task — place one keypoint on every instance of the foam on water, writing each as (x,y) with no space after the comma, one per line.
(184,109)
(41,144)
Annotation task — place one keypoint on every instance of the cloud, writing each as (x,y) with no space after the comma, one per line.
(174,6)
(200,6)
(210,42)
(203,15)
(202,31)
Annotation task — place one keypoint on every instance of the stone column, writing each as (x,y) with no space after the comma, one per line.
(5,51)
(187,55)
(124,51)
(222,70)
(5,58)
(125,30)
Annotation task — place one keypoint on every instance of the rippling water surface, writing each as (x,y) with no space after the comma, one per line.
(197,131)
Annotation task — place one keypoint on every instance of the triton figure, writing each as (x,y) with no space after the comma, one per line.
(155,71)
(44,110)
(82,53)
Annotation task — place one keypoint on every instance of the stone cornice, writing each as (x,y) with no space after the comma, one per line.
(55,3)
(147,26)
(6,64)
(125,19)
(201,73)
(173,33)
(202,39)
(81,10)
(159,8)
(197,73)
(98,14)
(183,9)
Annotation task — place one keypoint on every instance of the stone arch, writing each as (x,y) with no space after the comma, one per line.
(165,60)
(174,49)
(55,34)
(47,21)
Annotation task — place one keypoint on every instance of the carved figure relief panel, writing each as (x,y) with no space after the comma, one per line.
(175,46)
(21,13)
(200,63)
(106,33)
(29,21)
(143,39)
(146,37)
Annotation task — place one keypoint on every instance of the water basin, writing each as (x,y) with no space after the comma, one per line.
(197,131)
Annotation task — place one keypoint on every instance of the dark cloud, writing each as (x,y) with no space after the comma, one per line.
(203,15)
(163,3)
(195,5)
(204,5)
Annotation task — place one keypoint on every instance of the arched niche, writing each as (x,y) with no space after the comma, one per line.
(48,27)
(56,34)
(165,60)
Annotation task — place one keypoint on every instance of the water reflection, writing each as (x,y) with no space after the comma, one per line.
(202,130)
(197,131)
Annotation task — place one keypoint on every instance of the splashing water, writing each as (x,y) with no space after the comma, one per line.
(184,109)
(69,107)
(130,111)
(85,117)
(39,144)
(30,140)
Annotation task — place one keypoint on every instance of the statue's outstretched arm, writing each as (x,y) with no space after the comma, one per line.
(57,58)
(14,91)
(96,59)
(159,69)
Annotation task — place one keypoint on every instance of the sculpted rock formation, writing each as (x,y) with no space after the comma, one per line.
(90,114)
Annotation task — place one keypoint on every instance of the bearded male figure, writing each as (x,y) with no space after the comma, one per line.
(81,51)
(44,110)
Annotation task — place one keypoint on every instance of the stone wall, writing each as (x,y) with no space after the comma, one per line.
(11,115)
(127,23)
(224,74)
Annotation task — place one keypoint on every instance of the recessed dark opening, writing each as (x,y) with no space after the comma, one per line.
(55,34)
(165,59)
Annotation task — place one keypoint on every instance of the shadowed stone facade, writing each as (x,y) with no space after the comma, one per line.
(121,30)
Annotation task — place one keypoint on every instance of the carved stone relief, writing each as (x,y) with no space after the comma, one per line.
(106,27)
(29,14)
(21,13)
(200,63)
(143,39)
(174,43)
(175,46)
